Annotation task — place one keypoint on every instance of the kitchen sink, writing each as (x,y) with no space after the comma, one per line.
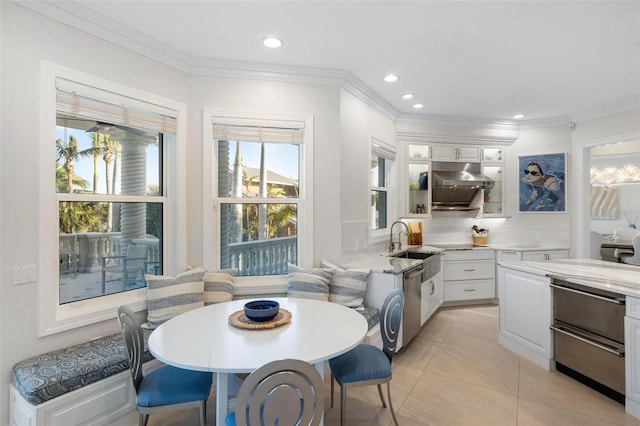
(414,255)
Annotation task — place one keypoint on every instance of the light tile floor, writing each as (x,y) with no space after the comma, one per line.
(456,373)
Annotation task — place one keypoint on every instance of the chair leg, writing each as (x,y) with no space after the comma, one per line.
(142,419)
(332,380)
(381,396)
(343,404)
(203,413)
(393,414)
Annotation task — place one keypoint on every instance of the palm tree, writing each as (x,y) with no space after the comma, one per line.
(69,153)
(279,216)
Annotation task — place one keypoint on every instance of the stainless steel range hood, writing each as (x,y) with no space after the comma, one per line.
(455,185)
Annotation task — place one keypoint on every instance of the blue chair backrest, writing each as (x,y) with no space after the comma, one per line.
(390,318)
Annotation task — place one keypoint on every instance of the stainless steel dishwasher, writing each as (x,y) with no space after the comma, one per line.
(412,284)
(589,336)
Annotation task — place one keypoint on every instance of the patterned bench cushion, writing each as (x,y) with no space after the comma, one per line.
(372,315)
(49,375)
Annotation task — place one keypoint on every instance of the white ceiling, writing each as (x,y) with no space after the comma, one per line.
(471,59)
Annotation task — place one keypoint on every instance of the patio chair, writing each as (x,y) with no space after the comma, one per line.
(69,254)
(128,268)
(367,364)
(286,392)
(166,388)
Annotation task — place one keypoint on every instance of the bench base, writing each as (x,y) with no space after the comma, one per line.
(110,401)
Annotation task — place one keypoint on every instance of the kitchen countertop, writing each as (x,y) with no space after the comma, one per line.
(387,263)
(383,263)
(617,277)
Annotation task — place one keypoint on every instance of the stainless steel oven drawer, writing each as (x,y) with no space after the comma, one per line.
(598,311)
(591,355)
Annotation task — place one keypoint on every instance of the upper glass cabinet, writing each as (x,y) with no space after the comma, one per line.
(493,154)
(418,151)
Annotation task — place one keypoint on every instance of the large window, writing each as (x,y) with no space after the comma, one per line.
(382,160)
(259,194)
(114,153)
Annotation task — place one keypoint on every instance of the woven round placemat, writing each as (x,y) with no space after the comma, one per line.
(238,319)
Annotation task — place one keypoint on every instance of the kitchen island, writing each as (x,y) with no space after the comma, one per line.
(532,295)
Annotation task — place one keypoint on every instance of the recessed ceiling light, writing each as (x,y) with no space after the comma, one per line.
(417,106)
(272,42)
(518,116)
(391,78)
(407,96)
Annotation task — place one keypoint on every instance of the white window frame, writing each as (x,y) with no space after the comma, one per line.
(53,317)
(390,153)
(211,218)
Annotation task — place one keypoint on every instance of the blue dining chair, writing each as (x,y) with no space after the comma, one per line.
(166,388)
(286,392)
(366,364)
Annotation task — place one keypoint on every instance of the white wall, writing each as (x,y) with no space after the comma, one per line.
(358,125)
(271,97)
(29,38)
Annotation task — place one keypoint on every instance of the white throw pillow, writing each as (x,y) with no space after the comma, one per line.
(347,286)
(218,286)
(171,296)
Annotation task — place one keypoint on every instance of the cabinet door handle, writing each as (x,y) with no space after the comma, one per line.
(481,154)
(457,153)
(433,287)
(469,289)
(470,270)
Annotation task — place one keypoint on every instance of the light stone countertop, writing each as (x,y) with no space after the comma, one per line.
(617,277)
(387,263)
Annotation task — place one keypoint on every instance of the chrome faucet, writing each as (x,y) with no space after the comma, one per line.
(391,242)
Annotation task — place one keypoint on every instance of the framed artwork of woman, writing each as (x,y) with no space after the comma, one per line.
(542,185)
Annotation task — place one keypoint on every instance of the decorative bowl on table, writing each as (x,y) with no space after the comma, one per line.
(261,310)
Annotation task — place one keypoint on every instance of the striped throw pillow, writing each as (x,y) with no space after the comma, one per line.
(308,283)
(347,286)
(171,296)
(218,286)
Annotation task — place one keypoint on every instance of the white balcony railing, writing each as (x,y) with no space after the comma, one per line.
(263,257)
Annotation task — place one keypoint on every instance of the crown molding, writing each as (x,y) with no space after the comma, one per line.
(78,16)
(557,121)
(624,105)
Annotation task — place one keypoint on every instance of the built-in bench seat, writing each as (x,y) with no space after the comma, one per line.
(372,315)
(88,383)
(52,374)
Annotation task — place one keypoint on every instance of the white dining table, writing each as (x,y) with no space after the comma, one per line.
(203,340)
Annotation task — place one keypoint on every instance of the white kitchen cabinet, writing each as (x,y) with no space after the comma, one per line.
(492,162)
(492,154)
(540,255)
(632,356)
(508,255)
(431,297)
(449,152)
(468,275)
(525,315)
(418,178)
(494,198)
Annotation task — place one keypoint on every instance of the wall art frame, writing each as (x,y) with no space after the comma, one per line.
(542,186)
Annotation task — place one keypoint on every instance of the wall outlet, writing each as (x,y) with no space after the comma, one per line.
(538,235)
(24,274)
